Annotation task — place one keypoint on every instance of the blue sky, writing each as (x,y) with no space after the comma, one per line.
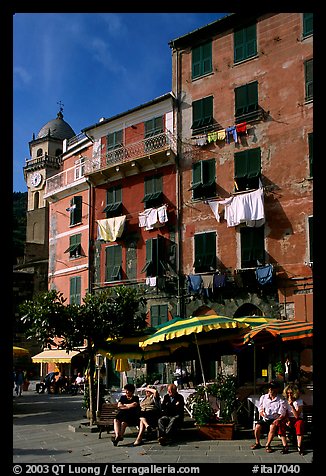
(96,64)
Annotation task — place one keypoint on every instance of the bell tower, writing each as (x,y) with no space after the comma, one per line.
(45,160)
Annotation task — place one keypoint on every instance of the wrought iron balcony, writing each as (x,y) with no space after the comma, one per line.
(151,146)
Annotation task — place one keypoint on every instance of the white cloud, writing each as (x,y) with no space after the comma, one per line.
(21,76)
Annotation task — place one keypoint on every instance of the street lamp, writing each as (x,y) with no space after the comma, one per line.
(98,363)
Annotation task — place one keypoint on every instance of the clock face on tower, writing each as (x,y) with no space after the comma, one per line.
(36,179)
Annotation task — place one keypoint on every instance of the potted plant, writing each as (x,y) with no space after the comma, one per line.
(214,424)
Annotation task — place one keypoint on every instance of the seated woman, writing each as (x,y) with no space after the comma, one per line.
(294,416)
(149,413)
(128,413)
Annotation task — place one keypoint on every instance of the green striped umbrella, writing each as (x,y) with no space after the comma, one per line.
(174,334)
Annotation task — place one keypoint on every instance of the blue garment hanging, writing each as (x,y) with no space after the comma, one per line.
(264,274)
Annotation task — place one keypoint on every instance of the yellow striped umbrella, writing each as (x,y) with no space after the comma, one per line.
(177,331)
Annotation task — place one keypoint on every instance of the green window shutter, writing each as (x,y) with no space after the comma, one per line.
(76,210)
(205,250)
(113,256)
(252,247)
(114,140)
(240,164)
(155,316)
(207,58)
(202,112)
(201,60)
(75,290)
(239,46)
(113,199)
(245,43)
(196,62)
(246,98)
(210,250)
(311,154)
(240,100)
(149,265)
(247,163)
(208,110)
(253,162)
(251,41)
(196,175)
(153,126)
(309,78)
(208,174)
(310,222)
(308,26)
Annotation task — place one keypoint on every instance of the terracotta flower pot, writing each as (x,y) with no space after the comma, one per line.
(217,431)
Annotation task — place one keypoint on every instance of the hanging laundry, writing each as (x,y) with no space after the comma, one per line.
(195,283)
(219,280)
(151,281)
(241,128)
(264,274)
(162,214)
(208,284)
(201,140)
(152,218)
(109,229)
(221,134)
(243,208)
(231,130)
(212,137)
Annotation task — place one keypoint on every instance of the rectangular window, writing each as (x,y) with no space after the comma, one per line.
(247,169)
(245,43)
(308,26)
(252,247)
(159,314)
(113,201)
(308,74)
(310,223)
(79,168)
(205,252)
(202,113)
(155,257)
(246,102)
(113,263)
(75,210)
(153,196)
(154,126)
(74,249)
(114,146)
(203,179)
(75,290)
(202,60)
(311,154)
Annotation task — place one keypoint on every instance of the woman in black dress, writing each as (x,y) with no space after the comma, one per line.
(128,413)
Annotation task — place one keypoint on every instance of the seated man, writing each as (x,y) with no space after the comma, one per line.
(172,410)
(272,411)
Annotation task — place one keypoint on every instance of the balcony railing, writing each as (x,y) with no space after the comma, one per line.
(42,161)
(151,145)
(65,179)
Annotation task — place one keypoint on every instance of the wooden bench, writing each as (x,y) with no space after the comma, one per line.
(107,414)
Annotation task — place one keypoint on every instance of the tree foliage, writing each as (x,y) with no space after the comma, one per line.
(114,312)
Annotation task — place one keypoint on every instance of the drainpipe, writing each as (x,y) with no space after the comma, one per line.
(90,235)
(178,179)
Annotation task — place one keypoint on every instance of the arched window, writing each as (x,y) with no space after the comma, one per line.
(39,153)
(248,309)
(36,200)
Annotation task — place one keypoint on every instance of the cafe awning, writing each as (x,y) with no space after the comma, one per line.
(58,356)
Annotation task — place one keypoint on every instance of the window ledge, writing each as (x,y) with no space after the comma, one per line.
(245,60)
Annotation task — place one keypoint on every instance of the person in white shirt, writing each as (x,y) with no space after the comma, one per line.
(272,410)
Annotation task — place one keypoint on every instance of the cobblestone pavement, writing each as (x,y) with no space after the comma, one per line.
(51,429)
